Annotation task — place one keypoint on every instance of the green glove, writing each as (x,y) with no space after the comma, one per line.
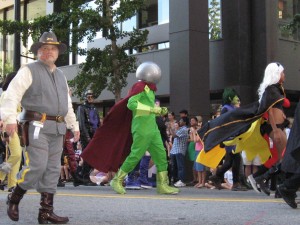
(156,110)
(164,111)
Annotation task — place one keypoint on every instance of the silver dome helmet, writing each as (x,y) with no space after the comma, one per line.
(89,95)
(149,72)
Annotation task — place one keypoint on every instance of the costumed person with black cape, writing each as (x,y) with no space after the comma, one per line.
(291,164)
(129,130)
(243,125)
(275,126)
(268,171)
(230,102)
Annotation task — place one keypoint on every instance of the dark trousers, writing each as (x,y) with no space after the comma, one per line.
(231,161)
(86,168)
(177,162)
(292,181)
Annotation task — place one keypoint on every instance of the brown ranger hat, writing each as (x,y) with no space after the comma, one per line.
(48,38)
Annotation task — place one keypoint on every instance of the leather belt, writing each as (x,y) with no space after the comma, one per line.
(33,115)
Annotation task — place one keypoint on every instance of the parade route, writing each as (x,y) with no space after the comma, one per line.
(100,205)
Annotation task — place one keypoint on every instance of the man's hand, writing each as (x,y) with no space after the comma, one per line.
(76,136)
(11,128)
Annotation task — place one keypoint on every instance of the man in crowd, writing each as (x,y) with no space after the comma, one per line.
(89,121)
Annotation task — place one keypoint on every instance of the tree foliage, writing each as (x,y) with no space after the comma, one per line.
(214,17)
(5,69)
(104,68)
(294,25)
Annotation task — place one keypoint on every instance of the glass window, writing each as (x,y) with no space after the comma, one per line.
(214,19)
(10,39)
(156,12)
(148,16)
(22,11)
(164,45)
(287,9)
(148,48)
(35,8)
(163,11)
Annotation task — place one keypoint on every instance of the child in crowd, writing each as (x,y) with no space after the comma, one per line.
(209,184)
(198,167)
(64,171)
(228,180)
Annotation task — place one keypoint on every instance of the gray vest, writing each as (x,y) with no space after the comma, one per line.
(48,94)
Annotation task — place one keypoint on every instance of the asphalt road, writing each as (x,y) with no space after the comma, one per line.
(100,205)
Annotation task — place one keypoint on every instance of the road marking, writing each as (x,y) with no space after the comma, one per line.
(212,199)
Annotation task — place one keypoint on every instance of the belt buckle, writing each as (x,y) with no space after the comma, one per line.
(44,117)
(59,119)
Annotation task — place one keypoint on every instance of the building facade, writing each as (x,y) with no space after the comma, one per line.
(195,69)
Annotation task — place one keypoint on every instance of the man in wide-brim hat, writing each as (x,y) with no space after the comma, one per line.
(48,38)
(47,111)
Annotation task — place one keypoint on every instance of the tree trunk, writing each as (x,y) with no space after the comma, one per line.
(115,61)
(117,96)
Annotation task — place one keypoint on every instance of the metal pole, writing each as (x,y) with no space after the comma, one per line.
(4,46)
(17,41)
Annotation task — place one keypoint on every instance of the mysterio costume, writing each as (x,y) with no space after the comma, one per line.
(129,130)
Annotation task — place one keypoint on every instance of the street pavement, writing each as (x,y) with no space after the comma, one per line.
(100,205)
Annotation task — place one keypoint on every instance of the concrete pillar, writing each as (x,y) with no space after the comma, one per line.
(236,27)
(250,43)
(265,36)
(189,57)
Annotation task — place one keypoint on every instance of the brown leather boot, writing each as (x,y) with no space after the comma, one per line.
(13,200)
(46,213)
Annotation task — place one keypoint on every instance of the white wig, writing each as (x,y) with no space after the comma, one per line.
(272,76)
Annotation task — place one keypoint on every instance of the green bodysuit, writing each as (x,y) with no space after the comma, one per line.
(145,133)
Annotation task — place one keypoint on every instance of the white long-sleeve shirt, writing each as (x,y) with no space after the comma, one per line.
(15,92)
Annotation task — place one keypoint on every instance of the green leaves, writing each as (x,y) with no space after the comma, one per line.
(214,16)
(104,68)
(294,25)
(8,67)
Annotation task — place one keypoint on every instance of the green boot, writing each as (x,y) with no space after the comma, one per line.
(162,184)
(117,182)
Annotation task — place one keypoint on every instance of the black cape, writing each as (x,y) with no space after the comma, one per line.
(239,120)
(291,159)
